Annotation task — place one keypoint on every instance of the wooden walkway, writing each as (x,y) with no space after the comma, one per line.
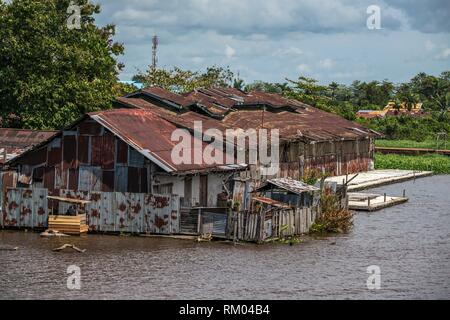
(372,202)
(376,178)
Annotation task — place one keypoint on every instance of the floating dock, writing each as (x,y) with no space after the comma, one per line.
(376,178)
(372,202)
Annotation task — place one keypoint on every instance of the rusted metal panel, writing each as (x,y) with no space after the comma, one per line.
(69,152)
(121,177)
(96,182)
(90,178)
(175,214)
(108,181)
(108,212)
(130,212)
(158,214)
(102,151)
(9,179)
(136,159)
(40,208)
(108,151)
(38,157)
(73,179)
(90,128)
(83,149)
(94,211)
(54,153)
(133,179)
(59,182)
(12,208)
(122,152)
(49,178)
(25,208)
(143,180)
(84,184)
(96,150)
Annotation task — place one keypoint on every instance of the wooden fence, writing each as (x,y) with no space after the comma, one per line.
(258,227)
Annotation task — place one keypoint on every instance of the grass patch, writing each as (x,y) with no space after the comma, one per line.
(427,144)
(431,162)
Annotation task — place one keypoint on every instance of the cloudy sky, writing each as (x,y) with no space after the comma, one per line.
(270,40)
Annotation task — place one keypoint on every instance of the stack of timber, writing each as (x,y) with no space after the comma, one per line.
(73,225)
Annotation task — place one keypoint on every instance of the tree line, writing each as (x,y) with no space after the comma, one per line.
(51,75)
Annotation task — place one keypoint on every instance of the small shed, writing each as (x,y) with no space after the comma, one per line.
(290,191)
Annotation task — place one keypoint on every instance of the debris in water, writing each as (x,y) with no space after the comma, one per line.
(8,248)
(53,233)
(70,246)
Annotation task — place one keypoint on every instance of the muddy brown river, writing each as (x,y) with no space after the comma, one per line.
(410,243)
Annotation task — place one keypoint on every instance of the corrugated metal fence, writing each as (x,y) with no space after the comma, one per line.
(107,212)
(25,208)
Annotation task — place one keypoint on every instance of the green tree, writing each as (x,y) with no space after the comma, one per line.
(280,88)
(405,95)
(433,91)
(51,74)
(181,81)
(308,91)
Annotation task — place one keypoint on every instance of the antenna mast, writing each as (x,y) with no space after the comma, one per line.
(155,42)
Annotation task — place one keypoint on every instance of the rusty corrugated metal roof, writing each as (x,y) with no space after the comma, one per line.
(232,108)
(169,97)
(272,202)
(150,134)
(288,184)
(14,142)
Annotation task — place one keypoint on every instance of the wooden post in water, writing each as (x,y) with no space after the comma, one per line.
(199,222)
(368,202)
(385,197)
(235,220)
(404,193)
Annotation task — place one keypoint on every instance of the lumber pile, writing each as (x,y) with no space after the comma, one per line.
(73,225)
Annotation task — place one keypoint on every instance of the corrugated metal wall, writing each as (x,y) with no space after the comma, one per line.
(107,212)
(25,208)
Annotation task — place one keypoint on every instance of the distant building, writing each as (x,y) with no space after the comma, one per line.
(391,111)
(137,84)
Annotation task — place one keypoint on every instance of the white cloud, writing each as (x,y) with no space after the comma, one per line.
(197,60)
(304,68)
(229,52)
(444,54)
(274,39)
(289,51)
(429,45)
(327,63)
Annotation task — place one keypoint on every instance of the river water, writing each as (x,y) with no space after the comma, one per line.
(410,243)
